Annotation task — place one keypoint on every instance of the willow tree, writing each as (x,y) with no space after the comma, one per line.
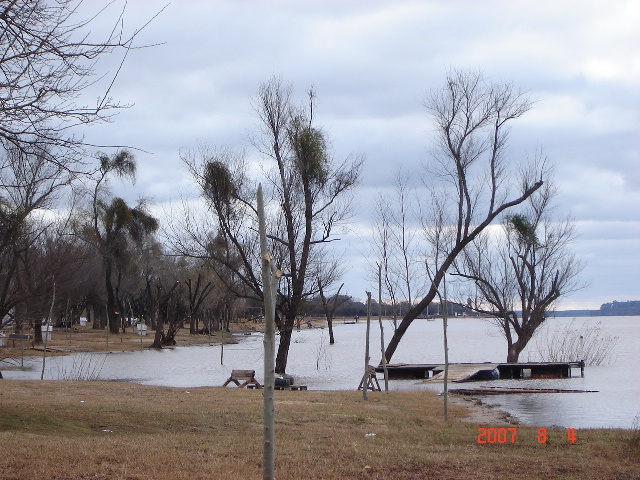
(307,199)
(519,276)
(469,176)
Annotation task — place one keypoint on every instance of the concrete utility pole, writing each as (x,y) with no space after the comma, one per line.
(270,277)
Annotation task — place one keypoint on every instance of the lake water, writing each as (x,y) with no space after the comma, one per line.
(315,363)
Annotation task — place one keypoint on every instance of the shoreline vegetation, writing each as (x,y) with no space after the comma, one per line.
(67,430)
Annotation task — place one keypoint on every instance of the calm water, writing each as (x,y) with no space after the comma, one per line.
(315,363)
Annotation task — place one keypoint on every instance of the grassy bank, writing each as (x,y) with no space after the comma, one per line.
(95,430)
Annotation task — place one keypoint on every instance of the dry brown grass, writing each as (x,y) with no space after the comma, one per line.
(108,430)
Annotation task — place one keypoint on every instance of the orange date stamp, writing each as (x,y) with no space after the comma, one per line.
(509,435)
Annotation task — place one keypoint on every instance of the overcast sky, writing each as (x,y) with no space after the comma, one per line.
(372,64)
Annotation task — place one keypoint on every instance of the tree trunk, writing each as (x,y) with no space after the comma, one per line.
(283,346)
(330,324)
(114,319)
(515,349)
(157,340)
(95,319)
(37,331)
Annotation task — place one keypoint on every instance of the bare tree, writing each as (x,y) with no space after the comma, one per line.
(396,246)
(468,176)
(520,275)
(306,201)
(198,293)
(331,306)
(48,60)
(29,184)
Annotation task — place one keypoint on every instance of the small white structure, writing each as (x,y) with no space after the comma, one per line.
(83,321)
(142,329)
(47,331)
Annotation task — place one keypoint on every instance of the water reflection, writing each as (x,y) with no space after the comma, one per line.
(315,363)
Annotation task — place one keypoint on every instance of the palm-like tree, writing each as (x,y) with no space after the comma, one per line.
(116,226)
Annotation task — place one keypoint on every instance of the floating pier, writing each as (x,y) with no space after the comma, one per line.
(466,372)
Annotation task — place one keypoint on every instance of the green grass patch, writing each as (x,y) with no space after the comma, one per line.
(41,423)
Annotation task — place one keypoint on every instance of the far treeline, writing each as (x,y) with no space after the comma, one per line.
(611,309)
(349,307)
(616,308)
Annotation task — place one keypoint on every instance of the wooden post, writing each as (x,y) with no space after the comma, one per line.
(44,350)
(384,358)
(446,349)
(365,376)
(270,277)
(221,341)
(66,321)
(106,308)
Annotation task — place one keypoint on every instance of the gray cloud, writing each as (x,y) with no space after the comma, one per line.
(373,64)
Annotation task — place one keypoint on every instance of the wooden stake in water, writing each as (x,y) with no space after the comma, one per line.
(221,341)
(46,333)
(365,377)
(384,358)
(66,321)
(446,349)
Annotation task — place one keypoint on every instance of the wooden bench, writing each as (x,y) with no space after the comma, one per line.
(247,377)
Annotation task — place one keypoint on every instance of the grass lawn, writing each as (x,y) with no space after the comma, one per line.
(108,430)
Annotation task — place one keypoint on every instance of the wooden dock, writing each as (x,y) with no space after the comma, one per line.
(539,369)
(407,371)
(465,372)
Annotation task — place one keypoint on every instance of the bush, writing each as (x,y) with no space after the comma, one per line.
(574,343)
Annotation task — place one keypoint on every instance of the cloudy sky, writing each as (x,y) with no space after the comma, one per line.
(372,64)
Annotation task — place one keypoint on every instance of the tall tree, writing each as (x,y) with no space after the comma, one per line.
(330,306)
(114,226)
(395,243)
(197,293)
(468,177)
(519,276)
(30,182)
(307,199)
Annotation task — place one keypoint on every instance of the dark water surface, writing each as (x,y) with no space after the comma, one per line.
(315,363)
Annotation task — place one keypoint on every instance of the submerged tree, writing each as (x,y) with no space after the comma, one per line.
(468,177)
(306,201)
(396,246)
(521,275)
